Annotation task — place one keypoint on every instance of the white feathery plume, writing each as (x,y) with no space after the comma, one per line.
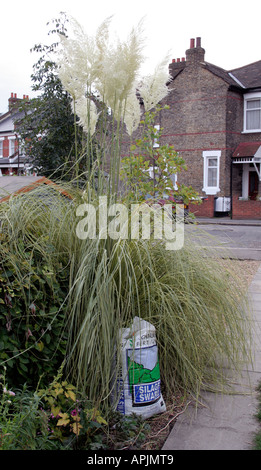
(80,58)
(93,65)
(154,87)
(87,113)
(132,112)
(119,71)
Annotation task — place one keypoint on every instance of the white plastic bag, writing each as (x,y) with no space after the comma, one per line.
(137,385)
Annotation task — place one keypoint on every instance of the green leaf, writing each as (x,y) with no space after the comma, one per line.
(23,367)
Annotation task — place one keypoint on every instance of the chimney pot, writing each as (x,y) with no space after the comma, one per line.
(183,59)
(198,42)
(173,61)
(192,43)
(12,95)
(178,60)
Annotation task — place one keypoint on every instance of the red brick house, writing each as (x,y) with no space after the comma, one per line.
(214,122)
(12,160)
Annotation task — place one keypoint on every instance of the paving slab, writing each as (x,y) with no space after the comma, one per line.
(222,422)
(225,421)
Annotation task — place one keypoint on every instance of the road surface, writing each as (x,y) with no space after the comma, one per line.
(240,241)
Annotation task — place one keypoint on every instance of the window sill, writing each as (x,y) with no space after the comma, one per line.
(211,191)
(254,131)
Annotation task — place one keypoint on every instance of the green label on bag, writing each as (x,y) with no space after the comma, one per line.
(144,375)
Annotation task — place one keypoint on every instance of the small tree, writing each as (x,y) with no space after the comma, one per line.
(149,171)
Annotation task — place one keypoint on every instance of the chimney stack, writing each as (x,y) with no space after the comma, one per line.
(13,101)
(194,54)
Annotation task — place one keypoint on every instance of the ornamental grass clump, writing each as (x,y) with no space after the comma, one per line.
(200,321)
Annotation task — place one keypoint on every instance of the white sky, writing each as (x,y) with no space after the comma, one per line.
(229,36)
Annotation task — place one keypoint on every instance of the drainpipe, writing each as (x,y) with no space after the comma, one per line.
(18,155)
(231,189)
(255,161)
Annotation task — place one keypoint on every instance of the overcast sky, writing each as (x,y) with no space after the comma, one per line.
(229,31)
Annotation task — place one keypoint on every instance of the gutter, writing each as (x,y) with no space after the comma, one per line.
(236,80)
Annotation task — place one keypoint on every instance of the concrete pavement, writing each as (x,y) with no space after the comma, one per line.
(225,421)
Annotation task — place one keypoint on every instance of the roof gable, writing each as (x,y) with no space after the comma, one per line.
(221,73)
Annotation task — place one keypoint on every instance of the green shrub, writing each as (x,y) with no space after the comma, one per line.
(34,283)
(32,339)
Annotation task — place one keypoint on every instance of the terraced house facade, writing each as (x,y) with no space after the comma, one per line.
(12,160)
(214,122)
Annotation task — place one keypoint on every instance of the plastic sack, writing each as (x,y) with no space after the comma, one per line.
(137,385)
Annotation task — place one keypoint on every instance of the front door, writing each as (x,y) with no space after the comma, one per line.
(253,185)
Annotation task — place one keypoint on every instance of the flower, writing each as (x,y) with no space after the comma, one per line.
(9,392)
(32,308)
(28,334)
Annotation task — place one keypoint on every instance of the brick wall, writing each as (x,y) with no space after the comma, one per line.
(246,209)
(205,209)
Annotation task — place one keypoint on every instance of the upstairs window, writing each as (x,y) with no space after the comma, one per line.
(11,146)
(252,112)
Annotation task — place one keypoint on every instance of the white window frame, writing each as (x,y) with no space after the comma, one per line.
(2,152)
(207,155)
(11,139)
(251,97)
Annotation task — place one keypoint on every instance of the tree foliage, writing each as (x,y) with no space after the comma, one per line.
(48,132)
(150,170)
